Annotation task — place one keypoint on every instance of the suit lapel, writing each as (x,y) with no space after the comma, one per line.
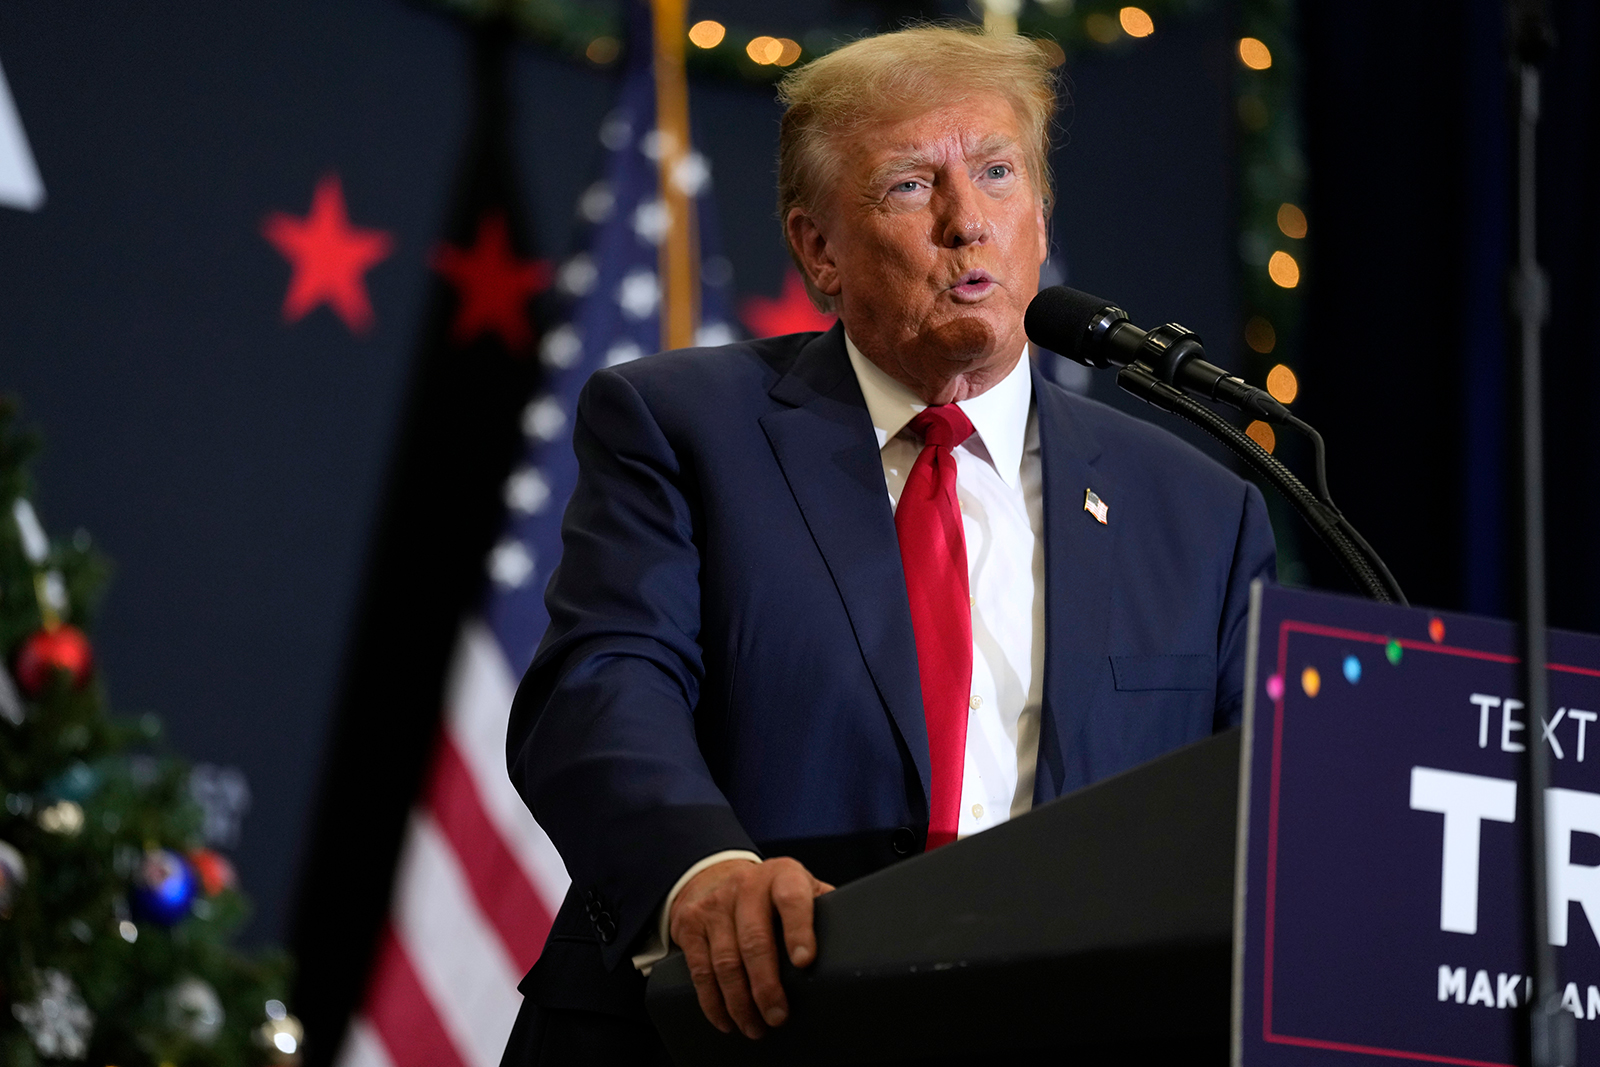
(825,444)
(1079,585)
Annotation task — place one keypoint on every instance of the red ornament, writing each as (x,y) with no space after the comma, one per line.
(61,649)
(216,873)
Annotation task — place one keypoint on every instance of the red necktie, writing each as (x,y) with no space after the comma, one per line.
(933,551)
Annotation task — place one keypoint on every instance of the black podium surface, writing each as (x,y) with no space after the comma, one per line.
(1099,923)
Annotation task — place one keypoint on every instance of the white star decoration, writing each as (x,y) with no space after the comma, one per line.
(527,491)
(20,184)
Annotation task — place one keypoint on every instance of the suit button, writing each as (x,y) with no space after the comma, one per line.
(903,841)
(606,929)
(588,896)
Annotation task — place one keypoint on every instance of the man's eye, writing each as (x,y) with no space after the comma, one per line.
(906,187)
(999,170)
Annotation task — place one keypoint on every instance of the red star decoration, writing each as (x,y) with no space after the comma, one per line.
(790,313)
(329,256)
(492,284)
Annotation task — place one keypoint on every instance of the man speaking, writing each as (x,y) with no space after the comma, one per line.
(829,600)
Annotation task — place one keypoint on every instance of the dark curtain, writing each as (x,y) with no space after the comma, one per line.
(1408,148)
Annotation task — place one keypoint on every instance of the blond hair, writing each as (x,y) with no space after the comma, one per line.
(893,75)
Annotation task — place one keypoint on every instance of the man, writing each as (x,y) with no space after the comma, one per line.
(827,600)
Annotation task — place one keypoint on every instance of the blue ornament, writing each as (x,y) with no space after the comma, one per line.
(78,782)
(163,887)
(1352,670)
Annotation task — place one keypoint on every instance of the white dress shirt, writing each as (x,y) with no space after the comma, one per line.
(1000,489)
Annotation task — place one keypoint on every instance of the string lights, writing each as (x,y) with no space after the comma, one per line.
(592,33)
(1271,169)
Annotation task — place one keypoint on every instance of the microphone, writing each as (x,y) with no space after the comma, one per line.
(1097,333)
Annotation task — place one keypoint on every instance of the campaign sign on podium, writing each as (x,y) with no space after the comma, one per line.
(1382,916)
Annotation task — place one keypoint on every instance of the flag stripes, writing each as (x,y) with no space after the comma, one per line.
(363,1049)
(477,887)
(479,882)
(509,903)
(459,958)
(479,691)
(408,1030)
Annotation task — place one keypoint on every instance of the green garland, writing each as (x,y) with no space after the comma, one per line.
(575,29)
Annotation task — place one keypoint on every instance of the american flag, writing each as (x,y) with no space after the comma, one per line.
(478,882)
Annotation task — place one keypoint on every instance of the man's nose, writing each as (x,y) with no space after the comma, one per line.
(961,217)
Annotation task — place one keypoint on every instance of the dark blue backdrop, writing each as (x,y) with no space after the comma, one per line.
(231,464)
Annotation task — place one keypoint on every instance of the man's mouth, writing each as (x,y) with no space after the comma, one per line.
(972,285)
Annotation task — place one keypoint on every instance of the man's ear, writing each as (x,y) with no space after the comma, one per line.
(811,248)
(1044,235)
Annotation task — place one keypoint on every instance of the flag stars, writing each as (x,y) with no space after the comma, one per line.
(622,352)
(657,143)
(597,202)
(651,220)
(711,334)
(577,275)
(639,293)
(511,564)
(527,491)
(560,348)
(616,131)
(692,174)
(543,418)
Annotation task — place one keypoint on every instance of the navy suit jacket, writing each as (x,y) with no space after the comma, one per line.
(730,661)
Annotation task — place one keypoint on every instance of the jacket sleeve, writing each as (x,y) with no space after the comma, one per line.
(1255,555)
(602,741)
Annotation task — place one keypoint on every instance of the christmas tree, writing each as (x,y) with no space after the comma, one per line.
(115,917)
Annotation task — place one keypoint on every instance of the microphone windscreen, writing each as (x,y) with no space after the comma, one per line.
(1059,318)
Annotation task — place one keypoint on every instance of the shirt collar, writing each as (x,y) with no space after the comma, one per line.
(999,415)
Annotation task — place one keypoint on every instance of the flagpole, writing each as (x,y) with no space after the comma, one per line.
(680,289)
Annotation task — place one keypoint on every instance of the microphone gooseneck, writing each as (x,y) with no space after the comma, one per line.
(1165,367)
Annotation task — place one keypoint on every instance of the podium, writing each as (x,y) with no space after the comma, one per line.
(1100,922)
(1337,884)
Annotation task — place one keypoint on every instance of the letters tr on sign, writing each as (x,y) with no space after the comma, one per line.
(1382,916)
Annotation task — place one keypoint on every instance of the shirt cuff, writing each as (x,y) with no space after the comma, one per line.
(659,943)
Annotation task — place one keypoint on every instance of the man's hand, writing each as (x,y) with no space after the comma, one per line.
(722,919)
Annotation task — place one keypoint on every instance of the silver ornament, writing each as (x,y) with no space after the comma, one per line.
(11,709)
(195,1010)
(13,875)
(57,1020)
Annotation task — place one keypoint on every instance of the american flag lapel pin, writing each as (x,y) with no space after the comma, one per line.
(1094,505)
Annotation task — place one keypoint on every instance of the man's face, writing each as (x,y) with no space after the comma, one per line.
(930,242)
